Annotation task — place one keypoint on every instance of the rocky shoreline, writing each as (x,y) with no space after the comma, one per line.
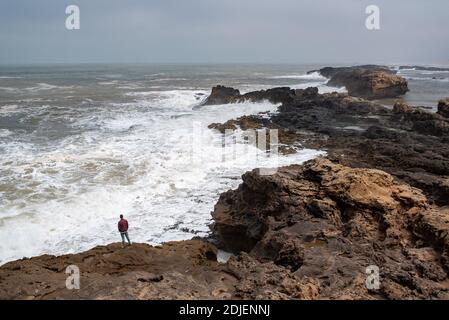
(309,231)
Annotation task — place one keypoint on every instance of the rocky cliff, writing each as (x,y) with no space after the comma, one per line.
(327,223)
(305,232)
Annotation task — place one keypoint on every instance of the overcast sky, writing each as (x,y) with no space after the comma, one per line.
(214,31)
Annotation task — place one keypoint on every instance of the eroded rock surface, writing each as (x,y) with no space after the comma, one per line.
(110,272)
(176,270)
(327,223)
(369,82)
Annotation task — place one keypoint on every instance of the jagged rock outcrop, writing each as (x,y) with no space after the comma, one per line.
(328,223)
(224,95)
(407,142)
(368,81)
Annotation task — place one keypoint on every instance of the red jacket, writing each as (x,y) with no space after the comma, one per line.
(123,225)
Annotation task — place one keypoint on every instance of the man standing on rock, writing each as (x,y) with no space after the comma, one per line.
(123,229)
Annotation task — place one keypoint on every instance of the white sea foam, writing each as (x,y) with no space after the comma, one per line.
(422,72)
(46,86)
(135,159)
(310,76)
(130,86)
(37,88)
(155,75)
(108,83)
(8,89)
(168,79)
(433,71)
(4,133)
(223,256)
(322,87)
(427,79)
(140,93)
(9,109)
(404,70)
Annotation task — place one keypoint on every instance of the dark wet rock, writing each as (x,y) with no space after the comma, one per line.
(443,108)
(330,72)
(275,95)
(407,142)
(224,95)
(421,121)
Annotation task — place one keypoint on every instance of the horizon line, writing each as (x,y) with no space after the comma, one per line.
(327,63)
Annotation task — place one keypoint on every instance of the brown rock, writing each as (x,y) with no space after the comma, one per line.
(177,270)
(370,84)
(222,127)
(366,81)
(327,222)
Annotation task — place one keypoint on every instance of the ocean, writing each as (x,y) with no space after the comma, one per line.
(82,144)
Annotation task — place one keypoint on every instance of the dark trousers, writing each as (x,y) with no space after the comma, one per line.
(125,234)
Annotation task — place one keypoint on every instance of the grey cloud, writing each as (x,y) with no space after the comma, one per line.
(282,31)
